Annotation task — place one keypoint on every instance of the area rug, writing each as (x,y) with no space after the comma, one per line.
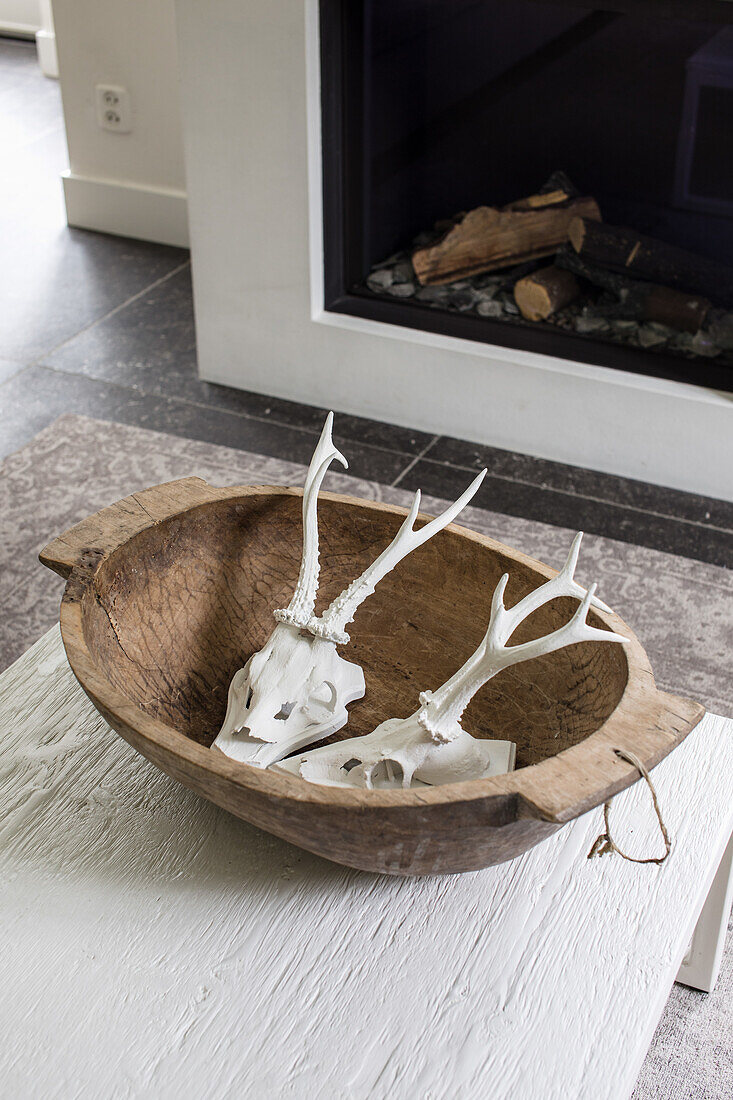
(682,611)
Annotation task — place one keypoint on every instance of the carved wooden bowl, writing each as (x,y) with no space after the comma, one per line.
(170,590)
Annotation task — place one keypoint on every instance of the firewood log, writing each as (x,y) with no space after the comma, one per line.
(545,292)
(637,300)
(488,238)
(640,257)
(674,308)
(568,259)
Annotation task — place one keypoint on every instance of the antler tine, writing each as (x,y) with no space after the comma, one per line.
(443,708)
(568,572)
(575,630)
(504,621)
(300,608)
(342,610)
(563,584)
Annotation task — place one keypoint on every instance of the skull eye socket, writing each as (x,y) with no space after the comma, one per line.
(325,695)
(386,774)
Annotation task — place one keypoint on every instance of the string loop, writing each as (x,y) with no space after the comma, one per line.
(605,843)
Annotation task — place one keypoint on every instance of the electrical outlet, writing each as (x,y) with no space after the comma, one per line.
(113,108)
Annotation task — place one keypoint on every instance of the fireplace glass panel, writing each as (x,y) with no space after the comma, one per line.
(435,107)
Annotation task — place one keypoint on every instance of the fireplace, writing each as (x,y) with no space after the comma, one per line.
(300,180)
(431,108)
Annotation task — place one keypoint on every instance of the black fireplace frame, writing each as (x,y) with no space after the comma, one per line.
(341,28)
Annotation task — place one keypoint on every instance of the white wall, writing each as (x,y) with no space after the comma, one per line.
(46,41)
(22,17)
(133,183)
(250,95)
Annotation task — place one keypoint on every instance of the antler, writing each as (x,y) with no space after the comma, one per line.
(300,608)
(429,746)
(341,611)
(441,711)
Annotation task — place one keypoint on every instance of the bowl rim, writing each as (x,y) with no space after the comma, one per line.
(646,721)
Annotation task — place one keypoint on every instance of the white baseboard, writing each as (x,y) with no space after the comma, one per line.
(46,50)
(126,209)
(17,30)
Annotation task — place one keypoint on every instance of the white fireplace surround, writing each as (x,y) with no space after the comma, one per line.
(251,110)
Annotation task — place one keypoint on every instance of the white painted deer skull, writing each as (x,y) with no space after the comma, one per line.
(431,747)
(296,689)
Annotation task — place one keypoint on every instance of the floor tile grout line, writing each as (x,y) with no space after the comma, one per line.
(619,537)
(568,466)
(436,440)
(23,367)
(371,446)
(585,496)
(314,431)
(414,462)
(267,420)
(38,361)
(423,455)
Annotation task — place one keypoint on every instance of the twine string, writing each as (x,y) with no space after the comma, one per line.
(605,843)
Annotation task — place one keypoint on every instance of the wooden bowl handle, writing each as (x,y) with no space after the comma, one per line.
(97,535)
(568,790)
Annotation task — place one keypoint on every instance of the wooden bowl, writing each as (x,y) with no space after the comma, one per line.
(170,590)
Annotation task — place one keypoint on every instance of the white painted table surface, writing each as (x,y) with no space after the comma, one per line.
(154,946)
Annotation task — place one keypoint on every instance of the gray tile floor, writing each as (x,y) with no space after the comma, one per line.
(104,326)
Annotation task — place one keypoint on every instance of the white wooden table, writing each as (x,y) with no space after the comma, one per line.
(154,946)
